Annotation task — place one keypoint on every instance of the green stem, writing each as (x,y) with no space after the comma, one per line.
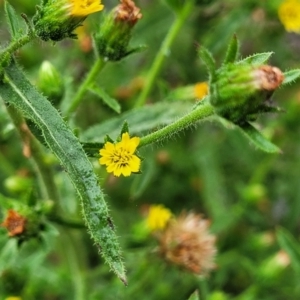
(203,288)
(33,150)
(66,223)
(202,111)
(91,76)
(75,264)
(163,51)
(14,46)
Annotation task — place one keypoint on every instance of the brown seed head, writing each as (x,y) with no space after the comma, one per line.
(186,242)
(127,12)
(14,223)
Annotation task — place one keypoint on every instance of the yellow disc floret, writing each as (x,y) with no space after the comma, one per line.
(119,158)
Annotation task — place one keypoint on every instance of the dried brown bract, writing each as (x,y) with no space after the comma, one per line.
(14,223)
(127,12)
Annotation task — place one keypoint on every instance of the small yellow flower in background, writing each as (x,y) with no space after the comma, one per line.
(119,158)
(13,298)
(82,8)
(200,90)
(289,15)
(158,217)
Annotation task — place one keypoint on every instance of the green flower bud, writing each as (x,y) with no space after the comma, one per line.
(50,81)
(274,266)
(56,19)
(114,33)
(240,91)
(17,184)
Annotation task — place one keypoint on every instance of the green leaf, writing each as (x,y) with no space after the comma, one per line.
(16,25)
(290,76)
(257,59)
(92,149)
(209,61)
(18,91)
(140,120)
(194,296)
(125,128)
(289,244)
(232,51)
(109,101)
(258,139)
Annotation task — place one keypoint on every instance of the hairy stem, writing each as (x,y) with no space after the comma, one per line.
(6,54)
(202,111)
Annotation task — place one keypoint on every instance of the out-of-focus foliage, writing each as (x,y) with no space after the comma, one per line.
(251,198)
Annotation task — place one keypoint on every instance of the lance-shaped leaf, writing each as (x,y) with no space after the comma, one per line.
(257,139)
(232,51)
(108,100)
(140,120)
(290,76)
(209,61)
(16,25)
(18,91)
(257,59)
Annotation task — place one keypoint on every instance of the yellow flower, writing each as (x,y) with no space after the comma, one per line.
(158,217)
(13,298)
(200,90)
(289,15)
(119,158)
(82,8)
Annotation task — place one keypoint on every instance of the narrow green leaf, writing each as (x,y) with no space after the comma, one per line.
(209,61)
(232,51)
(125,128)
(108,100)
(16,25)
(18,91)
(257,59)
(289,244)
(194,296)
(139,120)
(290,76)
(258,139)
(92,149)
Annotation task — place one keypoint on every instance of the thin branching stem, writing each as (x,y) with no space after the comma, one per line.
(90,78)
(164,51)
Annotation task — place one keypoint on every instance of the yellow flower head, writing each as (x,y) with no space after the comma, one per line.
(119,158)
(158,217)
(200,90)
(289,15)
(82,8)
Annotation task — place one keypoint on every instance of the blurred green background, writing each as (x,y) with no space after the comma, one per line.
(252,198)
